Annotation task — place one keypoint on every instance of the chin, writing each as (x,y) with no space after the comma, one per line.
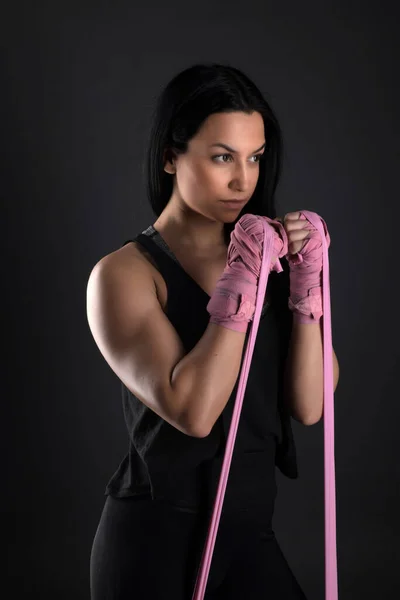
(232,218)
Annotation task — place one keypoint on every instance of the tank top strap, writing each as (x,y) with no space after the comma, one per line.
(170,267)
(166,261)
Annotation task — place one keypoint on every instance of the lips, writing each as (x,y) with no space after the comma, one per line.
(233,205)
(235,201)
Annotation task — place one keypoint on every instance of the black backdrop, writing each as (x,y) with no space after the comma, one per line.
(79,83)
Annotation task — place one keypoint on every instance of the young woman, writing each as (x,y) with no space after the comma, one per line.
(214,155)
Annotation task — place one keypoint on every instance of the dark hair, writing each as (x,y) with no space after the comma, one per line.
(184,104)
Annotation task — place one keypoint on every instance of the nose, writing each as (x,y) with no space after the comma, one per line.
(242,177)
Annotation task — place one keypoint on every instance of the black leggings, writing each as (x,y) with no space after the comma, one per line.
(146,550)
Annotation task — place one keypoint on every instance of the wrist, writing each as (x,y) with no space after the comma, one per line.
(307,309)
(233,311)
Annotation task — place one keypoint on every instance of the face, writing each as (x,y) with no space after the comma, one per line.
(210,173)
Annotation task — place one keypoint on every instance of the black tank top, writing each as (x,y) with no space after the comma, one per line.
(164,463)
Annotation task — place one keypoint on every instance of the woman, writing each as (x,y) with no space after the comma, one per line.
(213,161)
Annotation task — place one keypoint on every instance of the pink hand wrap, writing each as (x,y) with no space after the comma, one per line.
(232,303)
(331,579)
(306,277)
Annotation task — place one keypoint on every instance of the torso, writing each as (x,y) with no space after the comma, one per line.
(205,271)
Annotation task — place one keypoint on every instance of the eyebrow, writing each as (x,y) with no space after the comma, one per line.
(232,150)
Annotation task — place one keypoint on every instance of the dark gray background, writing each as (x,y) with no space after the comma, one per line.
(79,84)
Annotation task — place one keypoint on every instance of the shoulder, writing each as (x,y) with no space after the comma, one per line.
(131,255)
(120,265)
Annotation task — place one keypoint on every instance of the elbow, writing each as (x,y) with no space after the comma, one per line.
(202,434)
(312,420)
(196,423)
(198,432)
(313,417)
(194,428)
(306,419)
(201,429)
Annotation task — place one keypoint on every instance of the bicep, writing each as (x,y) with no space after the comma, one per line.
(133,334)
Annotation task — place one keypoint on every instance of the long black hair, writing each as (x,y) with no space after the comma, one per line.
(183,105)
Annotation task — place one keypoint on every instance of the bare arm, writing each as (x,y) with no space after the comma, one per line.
(304,379)
(142,347)
(207,375)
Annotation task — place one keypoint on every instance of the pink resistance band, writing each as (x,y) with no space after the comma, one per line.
(331,585)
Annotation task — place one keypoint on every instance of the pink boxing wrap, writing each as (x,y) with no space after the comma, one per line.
(233,301)
(306,277)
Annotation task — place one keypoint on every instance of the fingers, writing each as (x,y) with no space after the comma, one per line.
(293,216)
(293,222)
(298,234)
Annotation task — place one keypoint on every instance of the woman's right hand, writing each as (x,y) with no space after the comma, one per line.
(280,247)
(232,303)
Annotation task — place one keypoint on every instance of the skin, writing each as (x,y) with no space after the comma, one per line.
(206,175)
(195,216)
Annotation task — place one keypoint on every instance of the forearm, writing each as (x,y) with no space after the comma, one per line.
(205,377)
(304,373)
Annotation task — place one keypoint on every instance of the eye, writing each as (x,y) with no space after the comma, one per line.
(219,156)
(257,156)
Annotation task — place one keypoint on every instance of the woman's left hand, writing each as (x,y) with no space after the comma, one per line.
(305,254)
(297,230)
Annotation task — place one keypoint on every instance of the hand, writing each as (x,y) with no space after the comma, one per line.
(297,230)
(300,232)
(280,243)
(232,303)
(305,261)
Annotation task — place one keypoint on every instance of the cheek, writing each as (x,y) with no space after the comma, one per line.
(204,179)
(207,179)
(198,183)
(188,179)
(215,178)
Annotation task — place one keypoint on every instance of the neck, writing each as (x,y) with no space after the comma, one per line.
(195,235)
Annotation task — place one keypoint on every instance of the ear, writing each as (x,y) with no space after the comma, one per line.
(168,159)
